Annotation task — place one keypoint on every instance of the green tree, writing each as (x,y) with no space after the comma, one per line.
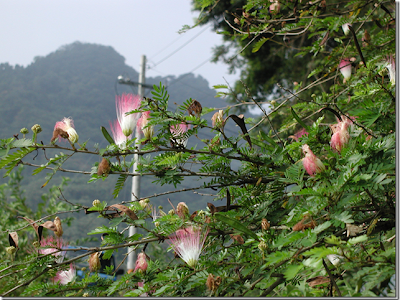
(310,215)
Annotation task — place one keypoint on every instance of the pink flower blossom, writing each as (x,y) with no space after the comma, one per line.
(311,163)
(118,136)
(345,68)
(142,122)
(188,243)
(67,125)
(341,134)
(178,132)
(141,263)
(391,66)
(53,242)
(299,134)
(275,7)
(64,277)
(124,104)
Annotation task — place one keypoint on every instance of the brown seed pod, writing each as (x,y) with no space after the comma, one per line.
(104,168)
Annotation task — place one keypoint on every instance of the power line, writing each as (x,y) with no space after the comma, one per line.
(175,51)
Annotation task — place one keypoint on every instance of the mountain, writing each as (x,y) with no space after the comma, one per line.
(80,81)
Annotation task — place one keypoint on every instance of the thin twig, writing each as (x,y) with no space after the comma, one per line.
(333,282)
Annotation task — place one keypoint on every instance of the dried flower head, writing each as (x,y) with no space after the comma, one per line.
(265,225)
(195,108)
(218,119)
(211,283)
(59,231)
(66,126)
(182,210)
(94,262)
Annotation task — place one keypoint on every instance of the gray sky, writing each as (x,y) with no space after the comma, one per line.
(32,28)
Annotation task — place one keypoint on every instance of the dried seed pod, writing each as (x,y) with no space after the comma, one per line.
(59,231)
(94,262)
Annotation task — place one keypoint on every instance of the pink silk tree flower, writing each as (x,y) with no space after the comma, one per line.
(275,7)
(178,131)
(341,134)
(142,123)
(391,66)
(188,243)
(299,134)
(47,245)
(65,126)
(124,104)
(311,163)
(64,277)
(345,69)
(141,263)
(118,136)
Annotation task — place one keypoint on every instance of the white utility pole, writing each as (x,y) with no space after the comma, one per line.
(136,179)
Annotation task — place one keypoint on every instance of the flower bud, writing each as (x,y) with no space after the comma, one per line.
(143,203)
(171,212)
(24,130)
(94,262)
(36,244)
(85,295)
(156,224)
(59,231)
(273,103)
(182,210)
(96,202)
(11,250)
(262,246)
(36,128)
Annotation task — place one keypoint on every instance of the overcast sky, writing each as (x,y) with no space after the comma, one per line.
(133,28)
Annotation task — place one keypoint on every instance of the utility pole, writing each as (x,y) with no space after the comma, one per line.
(136,179)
